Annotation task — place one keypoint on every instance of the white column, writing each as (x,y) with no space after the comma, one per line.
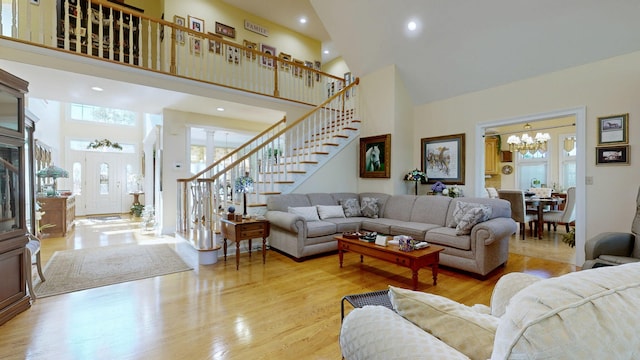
(211,149)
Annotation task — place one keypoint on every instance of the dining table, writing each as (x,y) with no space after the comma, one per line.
(540,203)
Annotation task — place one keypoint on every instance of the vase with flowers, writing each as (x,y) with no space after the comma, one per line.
(416,176)
(438,188)
(454,191)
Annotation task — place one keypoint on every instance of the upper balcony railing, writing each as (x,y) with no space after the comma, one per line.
(118,33)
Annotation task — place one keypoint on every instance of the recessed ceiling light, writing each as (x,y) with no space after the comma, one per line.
(96,88)
(412,26)
(326,52)
(303,20)
(220,109)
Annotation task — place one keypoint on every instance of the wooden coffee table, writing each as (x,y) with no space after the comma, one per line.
(414,260)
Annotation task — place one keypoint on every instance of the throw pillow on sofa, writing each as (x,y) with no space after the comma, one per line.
(309,213)
(369,207)
(456,324)
(351,207)
(330,211)
(466,215)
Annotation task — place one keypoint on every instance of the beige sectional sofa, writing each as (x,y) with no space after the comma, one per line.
(589,314)
(423,217)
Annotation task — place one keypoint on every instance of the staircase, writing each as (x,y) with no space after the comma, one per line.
(275,161)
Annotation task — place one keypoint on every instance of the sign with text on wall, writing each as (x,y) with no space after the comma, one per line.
(258,29)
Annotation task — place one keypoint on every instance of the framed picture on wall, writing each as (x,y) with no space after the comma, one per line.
(285,57)
(225,30)
(251,46)
(179,20)
(612,155)
(196,46)
(268,61)
(196,24)
(442,158)
(613,129)
(215,46)
(375,156)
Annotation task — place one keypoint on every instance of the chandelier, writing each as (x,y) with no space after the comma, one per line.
(527,144)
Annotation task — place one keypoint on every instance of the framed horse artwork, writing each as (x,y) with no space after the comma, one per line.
(442,159)
(375,156)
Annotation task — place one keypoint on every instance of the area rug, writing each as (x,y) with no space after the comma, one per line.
(73,270)
(105,218)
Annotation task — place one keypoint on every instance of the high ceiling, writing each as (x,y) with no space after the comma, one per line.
(464,46)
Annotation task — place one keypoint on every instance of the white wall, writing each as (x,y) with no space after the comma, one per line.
(337,175)
(386,108)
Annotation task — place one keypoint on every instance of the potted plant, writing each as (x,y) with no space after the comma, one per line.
(570,237)
(136,210)
(272,154)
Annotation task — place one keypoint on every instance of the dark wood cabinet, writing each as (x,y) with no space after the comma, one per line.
(59,211)
(99,30)
(13,228)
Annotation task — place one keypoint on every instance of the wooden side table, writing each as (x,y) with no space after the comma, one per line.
(245,230)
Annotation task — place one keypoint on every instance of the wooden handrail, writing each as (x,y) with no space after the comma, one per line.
(235,151)
(278,134)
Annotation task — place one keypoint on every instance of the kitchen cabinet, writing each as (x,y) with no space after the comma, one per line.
(491,161)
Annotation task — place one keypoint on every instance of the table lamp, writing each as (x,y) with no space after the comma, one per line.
(244,184)
(53,172)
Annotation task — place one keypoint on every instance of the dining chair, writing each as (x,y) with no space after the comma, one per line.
(565,216)
(33,250)
(541,192)
(492,192)
(518,210)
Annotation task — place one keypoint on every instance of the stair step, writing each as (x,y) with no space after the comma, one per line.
(276,182)
(283,172)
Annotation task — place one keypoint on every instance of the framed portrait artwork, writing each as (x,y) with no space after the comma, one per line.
(297,67)
(196,24)
(252,46)
(196,46)
(233,54)
(269,50)
(215,46)
(442,158)
(225,30)
(317,65)
(612,155)
(179,20)
(375,156)
(309,72)
(613,129)
(284,65)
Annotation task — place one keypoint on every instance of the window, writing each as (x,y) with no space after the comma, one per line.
(568,161)
(533,169)
(76,170)
(104,179)
(99,114)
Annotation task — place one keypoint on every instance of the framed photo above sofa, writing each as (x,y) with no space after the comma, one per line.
(442,159)
(375,156)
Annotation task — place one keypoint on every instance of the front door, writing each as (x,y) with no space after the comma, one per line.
(105,182)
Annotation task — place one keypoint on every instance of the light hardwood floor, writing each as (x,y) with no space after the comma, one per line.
(280,310)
